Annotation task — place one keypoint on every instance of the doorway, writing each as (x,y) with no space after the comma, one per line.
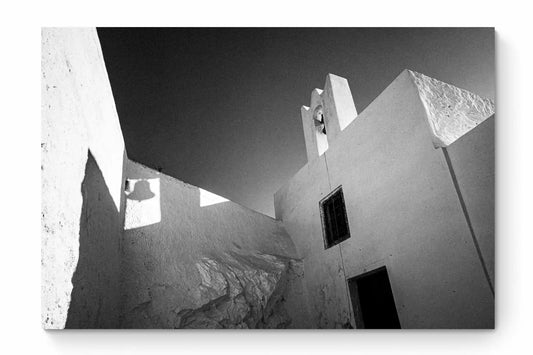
(373,301)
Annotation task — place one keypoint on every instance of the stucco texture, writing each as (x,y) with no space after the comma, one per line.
(81,144)
(214,266)
(451,111)
(472,159)
(403,213)
(124,246)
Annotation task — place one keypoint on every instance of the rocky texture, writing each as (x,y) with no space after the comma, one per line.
(200,265)
(451,111)
(205,265)
(168,268)
(240,291)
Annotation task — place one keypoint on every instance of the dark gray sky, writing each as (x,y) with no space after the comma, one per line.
(220,108)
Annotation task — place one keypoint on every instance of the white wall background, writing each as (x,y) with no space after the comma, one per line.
(78,115)
(20,270)
(403,213)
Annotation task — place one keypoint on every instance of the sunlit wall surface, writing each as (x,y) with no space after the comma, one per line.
(143,204)
(208,198)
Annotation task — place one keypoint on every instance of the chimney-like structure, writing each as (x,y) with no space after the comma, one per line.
(331,110)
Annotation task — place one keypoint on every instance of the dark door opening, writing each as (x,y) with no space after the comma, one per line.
(372,300)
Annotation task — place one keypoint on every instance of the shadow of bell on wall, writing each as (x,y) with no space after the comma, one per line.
(143,206)
(141,191)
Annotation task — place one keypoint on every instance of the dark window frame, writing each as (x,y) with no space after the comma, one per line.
(332,240)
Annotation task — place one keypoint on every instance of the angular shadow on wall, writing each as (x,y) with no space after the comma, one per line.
(95,292)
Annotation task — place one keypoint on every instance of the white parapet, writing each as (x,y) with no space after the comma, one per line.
(451,111)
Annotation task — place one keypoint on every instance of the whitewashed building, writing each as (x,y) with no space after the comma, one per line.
(389,224)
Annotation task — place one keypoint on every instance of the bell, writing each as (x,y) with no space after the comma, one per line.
(320,125)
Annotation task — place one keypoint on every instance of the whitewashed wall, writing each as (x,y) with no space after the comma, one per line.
(403,209)
(79,121)
(192,259)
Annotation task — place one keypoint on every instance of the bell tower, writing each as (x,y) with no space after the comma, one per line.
(331,110)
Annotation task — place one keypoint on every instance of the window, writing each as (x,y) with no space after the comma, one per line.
(334,220)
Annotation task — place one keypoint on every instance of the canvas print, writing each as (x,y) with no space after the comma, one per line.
(267,178)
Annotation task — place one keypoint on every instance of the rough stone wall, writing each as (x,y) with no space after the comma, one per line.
(79,121)
(195,265)
(451,111)
(240,290)
(403,213)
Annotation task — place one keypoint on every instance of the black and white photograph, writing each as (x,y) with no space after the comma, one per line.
(266,178)
(252,178)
